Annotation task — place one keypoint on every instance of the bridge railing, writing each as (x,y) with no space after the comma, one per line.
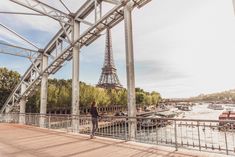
(203,135)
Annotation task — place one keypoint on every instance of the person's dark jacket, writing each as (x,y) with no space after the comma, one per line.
(94,113)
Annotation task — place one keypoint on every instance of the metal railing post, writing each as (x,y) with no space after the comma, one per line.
(49,122)
(157,134)
(67,124)
(125,129)
(226,141)
(115,127)
(198,133)
(176,143)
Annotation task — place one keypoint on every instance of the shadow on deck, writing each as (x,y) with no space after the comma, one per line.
(26,141)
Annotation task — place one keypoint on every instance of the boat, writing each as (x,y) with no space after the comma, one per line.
(215,106)
(230,105)
(162,108)
(225,117)
(184,107)
(153,121)
(120,114)
(166,114)
(229,109)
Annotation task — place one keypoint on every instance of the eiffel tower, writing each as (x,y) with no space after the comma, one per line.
(109,78)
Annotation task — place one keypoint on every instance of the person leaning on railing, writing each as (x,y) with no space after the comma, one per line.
(94,118)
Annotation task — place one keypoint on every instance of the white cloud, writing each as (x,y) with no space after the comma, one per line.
(198,41)
(182,47)
(26,22)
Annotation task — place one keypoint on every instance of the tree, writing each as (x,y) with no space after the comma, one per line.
(156,97)
(33,103)
(8,80)
(140,98)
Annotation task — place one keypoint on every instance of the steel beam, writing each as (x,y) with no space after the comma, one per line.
(44,9)
(65,6)
(110,19)
(82,13)
(115,2)
(10,49)
(44,87)
(233,1)
(7,109)
(32,77)
(130,70)
(27,78)
(75,78)
(22,104)
(18,47)
(15,54)
(20,13)
(19,36)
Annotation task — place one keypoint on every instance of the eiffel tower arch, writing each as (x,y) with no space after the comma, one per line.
(109,78)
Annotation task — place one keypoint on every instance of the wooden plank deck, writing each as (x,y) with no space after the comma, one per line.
(25,141)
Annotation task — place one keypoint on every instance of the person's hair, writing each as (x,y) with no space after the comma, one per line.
(93,104)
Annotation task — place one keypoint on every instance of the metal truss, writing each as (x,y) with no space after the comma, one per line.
(19,36)
(20,13)
(18,51)
(62,44)
(234,6)
(44,9)
(116,2)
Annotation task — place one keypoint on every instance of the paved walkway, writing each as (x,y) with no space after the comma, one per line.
(25,141)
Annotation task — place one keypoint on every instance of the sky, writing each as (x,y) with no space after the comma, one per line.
(182,48)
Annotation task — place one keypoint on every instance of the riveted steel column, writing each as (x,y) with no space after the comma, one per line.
(22,104)
(130,70)
(7,109)
(75,78)
(7,115)
(44,88)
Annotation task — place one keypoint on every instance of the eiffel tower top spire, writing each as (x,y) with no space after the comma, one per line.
(109,78)
(108,60)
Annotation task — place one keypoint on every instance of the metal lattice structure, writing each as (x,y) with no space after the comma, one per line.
(65,46)
(109,78)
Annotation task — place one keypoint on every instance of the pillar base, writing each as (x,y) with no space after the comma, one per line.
(42,121)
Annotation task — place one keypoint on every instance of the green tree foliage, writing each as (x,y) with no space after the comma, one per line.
(60,93)
(223,97)
(145,98)
(33,103)
(156,97)
(8,81)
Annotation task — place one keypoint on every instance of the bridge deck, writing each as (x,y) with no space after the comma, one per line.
(25,141)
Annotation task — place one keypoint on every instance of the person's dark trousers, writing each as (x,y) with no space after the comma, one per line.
(94,125)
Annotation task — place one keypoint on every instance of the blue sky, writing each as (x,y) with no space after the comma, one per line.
(182,47)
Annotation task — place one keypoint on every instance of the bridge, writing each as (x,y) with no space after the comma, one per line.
(66,46)
(58,139)
(24,141)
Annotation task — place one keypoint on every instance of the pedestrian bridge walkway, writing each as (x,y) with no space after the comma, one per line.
(26,141)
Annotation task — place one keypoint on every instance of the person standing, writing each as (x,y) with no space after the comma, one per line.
(94,118)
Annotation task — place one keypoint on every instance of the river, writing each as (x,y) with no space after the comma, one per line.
(193,134)
(202,112)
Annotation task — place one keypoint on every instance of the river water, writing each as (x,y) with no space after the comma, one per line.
(187,131)
(202,112)
(193,134)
